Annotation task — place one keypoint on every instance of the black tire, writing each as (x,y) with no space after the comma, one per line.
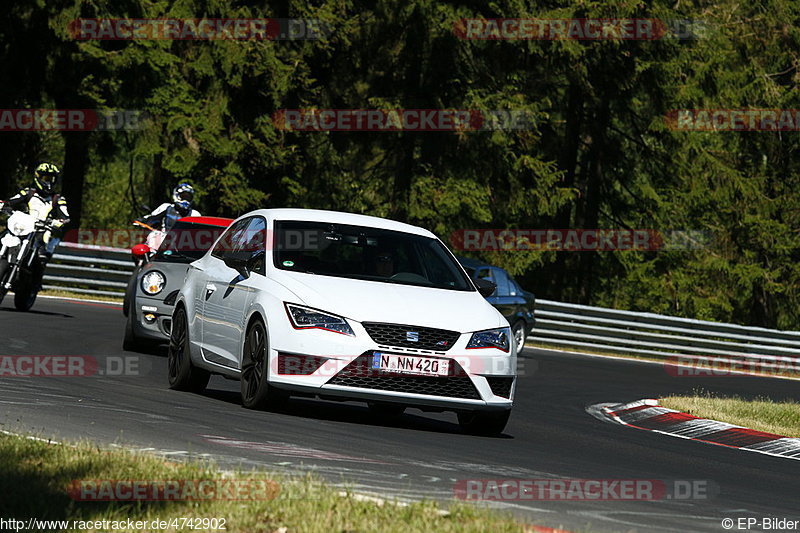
(518,334)
(489,423)
(182,374)
(386,410)
(255,388)
(130,343)
(25,297)
(130,291)
(3,272)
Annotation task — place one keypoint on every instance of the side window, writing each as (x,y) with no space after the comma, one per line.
(486,274)
(254,240)
(229,238)
(501,278)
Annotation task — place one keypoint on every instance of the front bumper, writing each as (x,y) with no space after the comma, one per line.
(324,363)
(157,329)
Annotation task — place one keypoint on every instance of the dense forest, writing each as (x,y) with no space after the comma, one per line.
(601,152)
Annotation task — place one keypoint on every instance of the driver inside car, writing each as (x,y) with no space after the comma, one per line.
(384,264)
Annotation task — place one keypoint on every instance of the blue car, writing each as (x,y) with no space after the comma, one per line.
(515,303)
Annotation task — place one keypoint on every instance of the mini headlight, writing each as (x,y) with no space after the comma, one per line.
(153,282)
(491,338)
(307,318)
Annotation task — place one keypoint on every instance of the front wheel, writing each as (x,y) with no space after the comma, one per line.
(489,423)
(518,333)
(182,374)
(24,296)
(255,388)
(3,273)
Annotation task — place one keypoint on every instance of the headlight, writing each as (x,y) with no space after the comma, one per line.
(307,318)
(153,282)
(491,338)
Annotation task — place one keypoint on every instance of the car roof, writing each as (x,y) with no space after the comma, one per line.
(209,221)
(338,217)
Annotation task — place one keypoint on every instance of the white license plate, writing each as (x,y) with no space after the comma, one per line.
(10,240)
(408,364)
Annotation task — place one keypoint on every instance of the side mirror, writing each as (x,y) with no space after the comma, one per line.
(485,287)
(242,262)
(140,250)
(237,261)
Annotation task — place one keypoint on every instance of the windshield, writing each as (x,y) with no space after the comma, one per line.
(187,242)
(360,252)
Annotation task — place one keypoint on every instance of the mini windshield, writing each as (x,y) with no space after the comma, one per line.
(360,252)
(187,242)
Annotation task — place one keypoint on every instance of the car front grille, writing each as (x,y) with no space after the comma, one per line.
(418,337)
(359,373)
(500,385)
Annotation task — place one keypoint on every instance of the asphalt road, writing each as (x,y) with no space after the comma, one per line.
(550,435)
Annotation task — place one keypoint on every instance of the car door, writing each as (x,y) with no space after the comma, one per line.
(224,299)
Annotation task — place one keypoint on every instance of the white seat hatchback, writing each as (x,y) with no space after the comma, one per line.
(346,307)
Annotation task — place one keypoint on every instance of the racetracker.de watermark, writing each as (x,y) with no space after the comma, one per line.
(71,366)
(71,120)
(718,367)
(579,240)
(578,29)
(202,29)
(454,366)
(107,490)
(391,120)
(584,489)
(733,119)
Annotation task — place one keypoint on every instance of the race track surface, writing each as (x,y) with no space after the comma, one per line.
(550,435)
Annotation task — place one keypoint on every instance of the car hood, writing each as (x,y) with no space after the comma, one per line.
(372,301)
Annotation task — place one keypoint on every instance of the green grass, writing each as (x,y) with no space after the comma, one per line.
(761,414)
(78,296)
(35,475)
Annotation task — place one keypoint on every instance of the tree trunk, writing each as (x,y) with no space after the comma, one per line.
(76,163)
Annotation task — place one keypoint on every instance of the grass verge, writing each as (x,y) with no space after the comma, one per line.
(35,477)
(761,414)
(80,296)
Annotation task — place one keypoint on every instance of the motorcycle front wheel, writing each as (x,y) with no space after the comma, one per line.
(25,296)
(3,274)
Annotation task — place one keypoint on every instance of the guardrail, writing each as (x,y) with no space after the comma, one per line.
(89,269)
(100,270)
(613,331)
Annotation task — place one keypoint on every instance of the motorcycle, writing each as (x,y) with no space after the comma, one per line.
(20,266)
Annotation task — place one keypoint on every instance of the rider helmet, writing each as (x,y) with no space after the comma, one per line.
(45,177)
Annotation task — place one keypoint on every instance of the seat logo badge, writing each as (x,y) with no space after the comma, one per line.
(412,336)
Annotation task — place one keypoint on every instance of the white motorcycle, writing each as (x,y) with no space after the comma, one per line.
(20,265)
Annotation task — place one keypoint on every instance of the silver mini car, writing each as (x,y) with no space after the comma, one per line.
(154,285)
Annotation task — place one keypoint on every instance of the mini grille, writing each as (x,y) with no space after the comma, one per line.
(360,374)
(439,340)
(501,386)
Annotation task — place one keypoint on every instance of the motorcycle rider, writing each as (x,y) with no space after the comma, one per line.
(165,215)
(42,202)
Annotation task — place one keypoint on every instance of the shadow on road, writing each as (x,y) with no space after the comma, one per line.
(352,413)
